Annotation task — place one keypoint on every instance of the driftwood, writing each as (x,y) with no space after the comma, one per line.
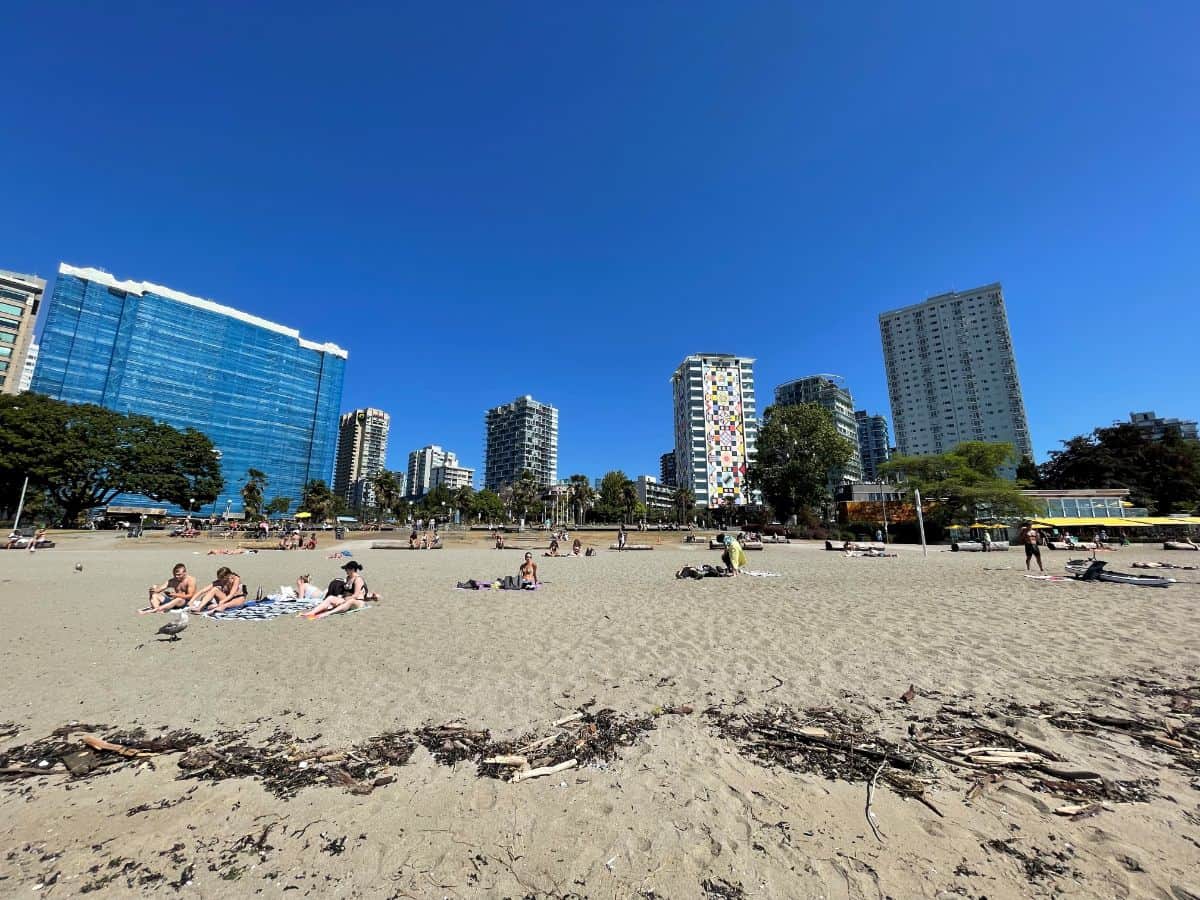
(524,775)
(871,796)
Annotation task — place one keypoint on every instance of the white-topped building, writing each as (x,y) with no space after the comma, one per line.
(952,375)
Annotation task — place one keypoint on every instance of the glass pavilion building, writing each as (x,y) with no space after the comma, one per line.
(267,398)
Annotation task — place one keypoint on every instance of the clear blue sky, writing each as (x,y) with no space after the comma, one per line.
(487,200)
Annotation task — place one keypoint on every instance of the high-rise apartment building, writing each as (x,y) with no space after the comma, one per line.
(31,356)
(452,476)
(666,469)
(716,426)
(266,397)
(951,373)
(421,466)
(652,494)
(873,443)
(520,435)
(20,297)
(830,393)
(361,454)
(1157,427)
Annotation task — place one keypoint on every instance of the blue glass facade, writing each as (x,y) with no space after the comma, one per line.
(268,399)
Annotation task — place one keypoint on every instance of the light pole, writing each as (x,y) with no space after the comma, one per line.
(21,504)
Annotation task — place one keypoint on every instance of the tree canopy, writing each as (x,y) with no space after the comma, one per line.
(963,484)
(798,447)
(1162,475)
(83,455)
(319,501)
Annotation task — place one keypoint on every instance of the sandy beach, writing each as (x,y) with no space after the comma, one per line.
(686,811)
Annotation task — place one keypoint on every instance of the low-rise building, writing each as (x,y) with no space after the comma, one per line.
(652,494)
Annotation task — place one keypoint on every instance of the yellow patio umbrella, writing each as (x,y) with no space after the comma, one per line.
(303,515)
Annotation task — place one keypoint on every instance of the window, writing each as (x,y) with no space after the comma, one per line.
(10,310)
(7,337)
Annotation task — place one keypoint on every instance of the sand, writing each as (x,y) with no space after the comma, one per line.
(682,813)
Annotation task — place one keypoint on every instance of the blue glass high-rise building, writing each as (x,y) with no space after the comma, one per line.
(267,398)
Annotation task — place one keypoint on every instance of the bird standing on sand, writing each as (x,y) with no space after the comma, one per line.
(174,628)
(78,567)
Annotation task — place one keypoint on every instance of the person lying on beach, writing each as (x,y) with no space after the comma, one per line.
(306,590)
(527,574)
(228,586)
(175,591)
(344,594)
(704,571)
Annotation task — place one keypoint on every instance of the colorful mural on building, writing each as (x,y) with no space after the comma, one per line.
(724,423)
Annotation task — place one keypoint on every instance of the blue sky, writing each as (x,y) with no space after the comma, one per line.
(487,200)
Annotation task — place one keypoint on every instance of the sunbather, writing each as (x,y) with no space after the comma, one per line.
(576,547)
(344,594)
(527,574)
(175,592)
(228,586)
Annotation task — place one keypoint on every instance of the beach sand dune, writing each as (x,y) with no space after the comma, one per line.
(681,813)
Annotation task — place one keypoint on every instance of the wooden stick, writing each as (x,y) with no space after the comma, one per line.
(541,742)
(870,797)
(100,744)
(574,717)
(519,761)
(547,770)
(1019,740)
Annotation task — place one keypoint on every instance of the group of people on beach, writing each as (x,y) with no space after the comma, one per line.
(424,540)
(295,540)
(733,561)
(228,591)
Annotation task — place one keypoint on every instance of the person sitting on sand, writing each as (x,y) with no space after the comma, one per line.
(228,586)
(527,574)
(499,541)
(176,591)
(343,594)
(733,556)
(576,547)
(312,542)
(553,551)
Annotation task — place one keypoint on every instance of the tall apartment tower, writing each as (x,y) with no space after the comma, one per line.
(20,297)
(716,426)
(421,467)
(361,454)
(831,393)
(31,356)
(666,469)
(951,373)
(520,435)
(873,443)
(268,400)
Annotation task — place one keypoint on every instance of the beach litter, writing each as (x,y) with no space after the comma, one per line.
(580,739)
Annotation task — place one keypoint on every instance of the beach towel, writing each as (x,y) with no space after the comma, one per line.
(261,610)
(761,574)
(1049,577)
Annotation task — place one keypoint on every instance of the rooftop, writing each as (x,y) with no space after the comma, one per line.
(99,276)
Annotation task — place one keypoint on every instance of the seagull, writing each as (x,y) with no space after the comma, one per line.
(78,567)
(173,628)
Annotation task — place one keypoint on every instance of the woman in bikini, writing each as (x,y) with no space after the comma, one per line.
(528,573)
(228,587)
(344,594)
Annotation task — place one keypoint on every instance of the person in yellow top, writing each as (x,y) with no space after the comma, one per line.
(733,556)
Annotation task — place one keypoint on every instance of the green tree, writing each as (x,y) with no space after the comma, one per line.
(1027,473)
(83,455)
(612,501)
(252,494)
(964,484)
(319,501)
(278,506)
(464,499)
(525,494)
(581,496)
(685,502)
(387,491)
(1162,475)
(487,506)
(629,501)
(798,449)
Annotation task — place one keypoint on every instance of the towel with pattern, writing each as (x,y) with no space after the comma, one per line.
(267,608)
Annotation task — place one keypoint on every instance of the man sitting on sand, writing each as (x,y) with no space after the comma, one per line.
(576,547)
(553,551)
(176,591)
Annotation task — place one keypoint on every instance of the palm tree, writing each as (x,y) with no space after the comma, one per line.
(684,501)
(463,499)
(629,498)
(387,491)
(580,495)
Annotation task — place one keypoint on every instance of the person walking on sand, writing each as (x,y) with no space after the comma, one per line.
(622,537)
(1029,537)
